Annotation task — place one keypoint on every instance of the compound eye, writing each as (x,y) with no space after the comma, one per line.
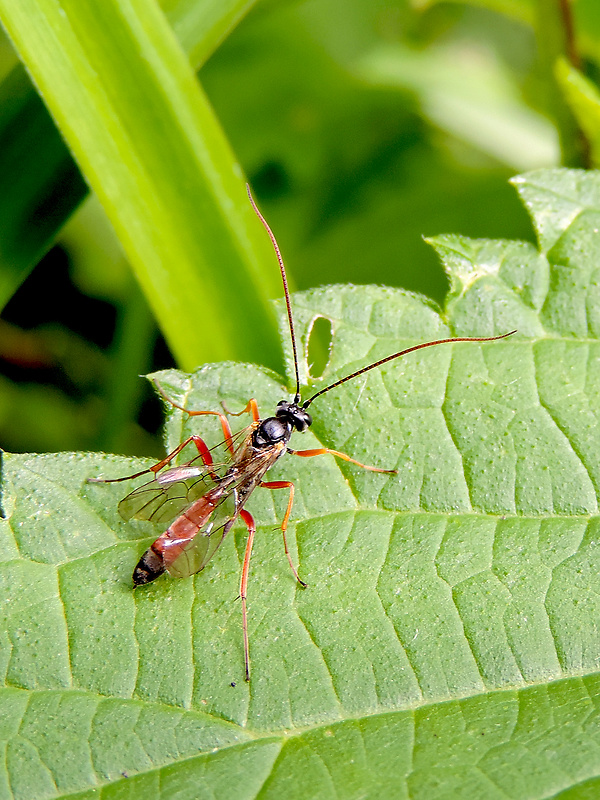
(302,420)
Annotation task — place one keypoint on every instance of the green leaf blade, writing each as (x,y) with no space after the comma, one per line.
(447,643)
(152,149)
(48,177)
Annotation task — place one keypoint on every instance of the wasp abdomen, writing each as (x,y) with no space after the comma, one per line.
(149,567)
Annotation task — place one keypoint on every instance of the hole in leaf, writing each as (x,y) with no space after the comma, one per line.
(318,349)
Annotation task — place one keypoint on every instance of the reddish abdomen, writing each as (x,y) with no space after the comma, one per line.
(172,543)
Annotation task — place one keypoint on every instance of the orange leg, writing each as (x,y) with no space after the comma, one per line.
(200,446)
(223,419)
(286,485)
(251,408)
(251,525)
(321,451)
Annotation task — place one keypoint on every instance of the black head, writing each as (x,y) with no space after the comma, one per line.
(299,418)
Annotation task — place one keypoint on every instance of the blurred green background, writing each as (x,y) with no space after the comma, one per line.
(362,125)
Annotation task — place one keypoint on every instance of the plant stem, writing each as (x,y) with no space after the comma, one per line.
(555,39)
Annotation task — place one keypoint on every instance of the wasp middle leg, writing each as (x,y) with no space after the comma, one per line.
(203,452)
(286,485)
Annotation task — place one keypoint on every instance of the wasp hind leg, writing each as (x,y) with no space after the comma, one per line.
(251,525)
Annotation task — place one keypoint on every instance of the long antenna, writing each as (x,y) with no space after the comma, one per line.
(285,289)
(403,353)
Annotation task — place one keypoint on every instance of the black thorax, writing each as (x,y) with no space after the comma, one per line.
(288,417)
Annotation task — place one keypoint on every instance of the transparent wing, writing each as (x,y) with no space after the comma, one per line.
(168,494)
(208,539)
(211,532)
(161,499)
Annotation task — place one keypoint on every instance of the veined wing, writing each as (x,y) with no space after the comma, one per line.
(167,495)
(206,523)
(173,489)
(211,529)
(195,534)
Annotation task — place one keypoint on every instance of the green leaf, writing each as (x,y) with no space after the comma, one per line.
(522,10)
(480,106)
(583,98)
(201,27)
(41,183)
(48,177)
(447,644)
(152,149)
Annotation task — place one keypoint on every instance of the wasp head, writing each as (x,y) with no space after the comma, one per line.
(297,416)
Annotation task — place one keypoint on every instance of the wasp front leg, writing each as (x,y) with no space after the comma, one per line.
(321,451)
(251,408)
(222,418)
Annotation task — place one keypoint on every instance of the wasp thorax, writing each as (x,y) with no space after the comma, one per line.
(272,430)
(297,416)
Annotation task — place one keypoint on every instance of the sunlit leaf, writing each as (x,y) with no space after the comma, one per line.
(447,644)
(130,108)
(42,188)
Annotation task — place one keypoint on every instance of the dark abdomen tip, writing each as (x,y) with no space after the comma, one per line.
(149,567)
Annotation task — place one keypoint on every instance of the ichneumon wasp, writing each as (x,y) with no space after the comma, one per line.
(202,499)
